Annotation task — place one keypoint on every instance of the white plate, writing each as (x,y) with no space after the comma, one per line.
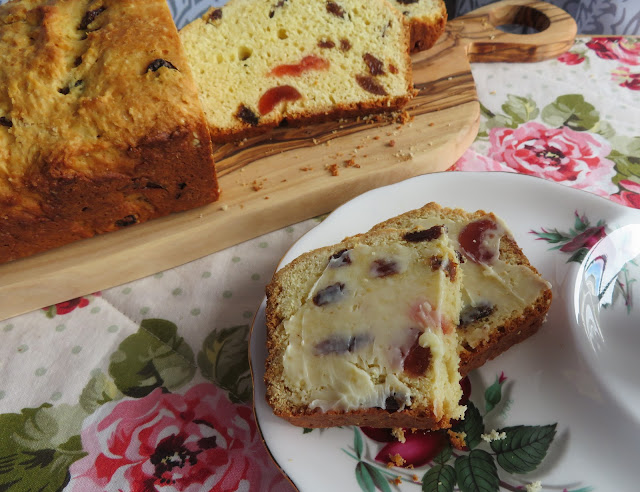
(553,377)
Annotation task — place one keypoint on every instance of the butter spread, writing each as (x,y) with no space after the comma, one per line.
(349,340)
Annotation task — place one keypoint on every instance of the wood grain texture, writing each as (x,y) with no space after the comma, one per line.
(272,181)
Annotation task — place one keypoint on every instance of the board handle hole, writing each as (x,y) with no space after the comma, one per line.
(519,20)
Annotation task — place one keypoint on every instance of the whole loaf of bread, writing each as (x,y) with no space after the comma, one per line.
(100,123)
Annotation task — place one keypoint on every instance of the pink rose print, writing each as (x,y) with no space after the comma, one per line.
(625,78)
(630,195)
(618,48)
(570,58)
(472,161)
(577,159)
(198,441)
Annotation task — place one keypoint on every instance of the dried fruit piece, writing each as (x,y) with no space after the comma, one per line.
(435,262)
(158,63)
(335,9)
(345,44)
(391,404)
(329,295)
(375,65)
(247,115)
(425,234)
(417,360)
(127,221)
(340,259)
(326,43)
(4,121)
(272,12)
(214,15)
(337,344)
(477,240)
(275,95)
(470,314)
(383,268)
(309,62)
(371,85)
(89,17)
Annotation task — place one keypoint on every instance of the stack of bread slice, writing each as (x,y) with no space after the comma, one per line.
(378,329)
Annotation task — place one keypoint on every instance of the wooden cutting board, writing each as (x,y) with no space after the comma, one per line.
(270,182)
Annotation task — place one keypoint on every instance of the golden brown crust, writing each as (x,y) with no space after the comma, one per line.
(105,125)
(426,31)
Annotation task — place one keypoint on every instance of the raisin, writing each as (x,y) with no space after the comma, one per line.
(451,270)
(78,83)
(391,404)
(89,17)
(371,85)
(473,240)
(326,43)
(424,235)
(276,6)
(375,65)
(214,15)
(182,186)
(329,294)
(64,90)
(407,2)
(345,45)
(383,268)
(335,9)
(470,314)
(340,259)
(154,186)
(417,360)
(338,344)
(127,221)
(245,114)
(158,63)
(393,69)
(275,95)
(78,61)
(435,262)
(4,121)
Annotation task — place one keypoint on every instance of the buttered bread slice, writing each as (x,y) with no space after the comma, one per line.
(363,333)
(261,63)
(504,298)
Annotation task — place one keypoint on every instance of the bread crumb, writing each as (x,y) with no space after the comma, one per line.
(351,163)
(333,169)
(395,460)
(266,197)
(315,141)
(494,435)
(397,480)
(398,433)
(415,478)
(404,156)
(306,168)
(493,93)
(431,124)
(457,439)
(224,207)
(377,137)
(257,185)
(534,486)
(392,143)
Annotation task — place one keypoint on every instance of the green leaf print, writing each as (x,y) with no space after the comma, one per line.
(224,361)
(493,395)
(477,472)
(520,109)
(443,456)
(524,448)
(472,426)
(571,110)
(439,478)
(153,357)
(99,390)
(36,449)
(357,443)
(370,478)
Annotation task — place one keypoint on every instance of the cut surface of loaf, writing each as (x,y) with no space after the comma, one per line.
(100,123)
(427,19)
(504,298)
(258,64)
(363,333)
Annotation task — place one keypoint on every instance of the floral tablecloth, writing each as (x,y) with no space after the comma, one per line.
(146,386)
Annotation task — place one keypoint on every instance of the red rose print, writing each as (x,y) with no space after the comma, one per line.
(571,58)
(577,159)
(67,306)
(198,441)
(586,239)
(625,78)
(625,50)
(630,195)
(419,448)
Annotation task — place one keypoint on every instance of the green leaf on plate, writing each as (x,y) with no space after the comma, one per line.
(153,357)
(224,360)
(477,472)
(520,109)
(306,430)
(493,395)
(357,442)
(443,456)
(472,426)
(578,255)
(524,448)
(439,478)
(364,478)
(571,110)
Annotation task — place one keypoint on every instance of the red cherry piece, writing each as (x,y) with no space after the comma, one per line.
(474,241)
(276,95)
(309,62)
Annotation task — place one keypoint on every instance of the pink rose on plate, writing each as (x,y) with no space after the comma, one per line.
(625,50)
(577,159)
(630,195)
(198,441)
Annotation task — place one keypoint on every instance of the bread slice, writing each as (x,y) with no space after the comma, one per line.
(426,18)
(259,64)
(505,300)
(362,333)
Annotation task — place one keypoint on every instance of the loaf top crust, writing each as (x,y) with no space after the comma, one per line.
(84,84)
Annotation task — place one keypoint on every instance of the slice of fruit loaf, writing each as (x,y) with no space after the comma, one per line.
(426,18)
(260,63)
(363,333)
(505,300)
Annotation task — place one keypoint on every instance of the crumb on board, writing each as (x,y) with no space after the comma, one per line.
(333,169)
(392,143)
(224,207)
(306,168)
(257,185)
(351,163)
